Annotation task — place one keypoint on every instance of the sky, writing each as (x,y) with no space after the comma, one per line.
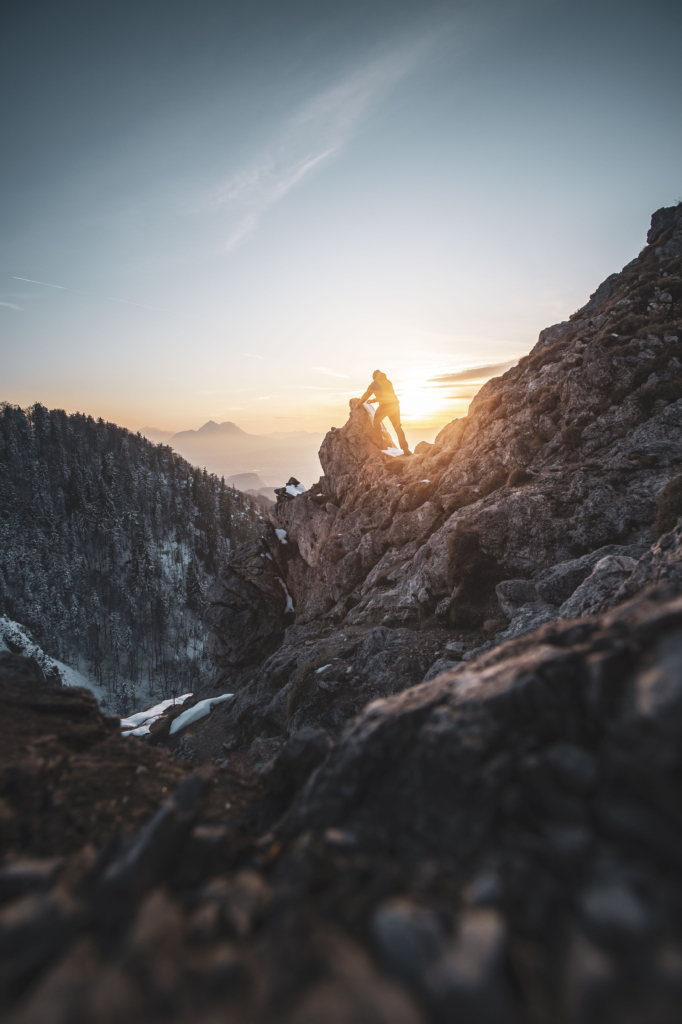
(214,211)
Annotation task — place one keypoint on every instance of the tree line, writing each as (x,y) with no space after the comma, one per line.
(107,544)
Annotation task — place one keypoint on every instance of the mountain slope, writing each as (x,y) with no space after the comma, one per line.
(107,542)
(559,464)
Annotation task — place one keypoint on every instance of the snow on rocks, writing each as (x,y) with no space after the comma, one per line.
(281,536)
(292,489)
(199,710)
(290,604)
(139,724)
(17,638)
(393,452)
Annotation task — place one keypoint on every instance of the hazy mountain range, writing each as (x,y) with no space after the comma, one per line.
(227,450)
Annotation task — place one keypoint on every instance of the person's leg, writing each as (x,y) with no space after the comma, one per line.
(394,417)
(380,413)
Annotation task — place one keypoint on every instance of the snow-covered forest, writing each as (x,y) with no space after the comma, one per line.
(107,543)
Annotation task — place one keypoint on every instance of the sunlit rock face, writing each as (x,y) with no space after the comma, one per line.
(562,455)
(557,466)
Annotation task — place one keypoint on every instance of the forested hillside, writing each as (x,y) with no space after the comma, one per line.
(107,542)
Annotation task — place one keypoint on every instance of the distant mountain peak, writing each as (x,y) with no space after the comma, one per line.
(211,427)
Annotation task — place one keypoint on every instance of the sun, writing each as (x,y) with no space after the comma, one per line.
(418,401)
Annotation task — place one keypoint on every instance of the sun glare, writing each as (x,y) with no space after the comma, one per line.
(420,402)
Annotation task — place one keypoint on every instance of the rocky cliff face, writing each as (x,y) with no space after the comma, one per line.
(479,537)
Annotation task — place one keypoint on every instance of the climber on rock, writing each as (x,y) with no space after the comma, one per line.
(389,406)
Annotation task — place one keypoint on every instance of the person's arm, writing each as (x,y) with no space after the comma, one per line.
(370,391)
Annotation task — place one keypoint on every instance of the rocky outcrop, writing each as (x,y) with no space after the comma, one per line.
(487,533)
(317,679)
(249,605)
(557,757)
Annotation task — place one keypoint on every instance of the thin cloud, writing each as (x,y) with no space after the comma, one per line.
(472,373)
(10,305)
(110,298)
(44,283)
(317,131)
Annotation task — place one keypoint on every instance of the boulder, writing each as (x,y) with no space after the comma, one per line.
(556,584)
(660,566)
(603,583)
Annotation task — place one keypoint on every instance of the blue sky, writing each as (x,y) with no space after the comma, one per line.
(249,210)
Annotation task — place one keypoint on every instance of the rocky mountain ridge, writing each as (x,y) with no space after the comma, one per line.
(483,535)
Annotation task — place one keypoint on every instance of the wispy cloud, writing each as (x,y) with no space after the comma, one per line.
(330,373)
(471,373)
(10,304)
(314,133)
(44,283)
(108,298)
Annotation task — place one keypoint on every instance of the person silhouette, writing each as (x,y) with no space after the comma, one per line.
(389,406)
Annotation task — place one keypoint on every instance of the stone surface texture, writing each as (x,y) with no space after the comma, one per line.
(500,844)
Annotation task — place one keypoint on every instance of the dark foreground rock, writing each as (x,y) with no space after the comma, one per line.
(500,844)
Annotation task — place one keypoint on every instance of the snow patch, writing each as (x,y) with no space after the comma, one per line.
(15,637)
(199,710)
(394,452)
(281,536)
(294,491)
(323,667)
(72,677)
(138,724)
(290,603)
